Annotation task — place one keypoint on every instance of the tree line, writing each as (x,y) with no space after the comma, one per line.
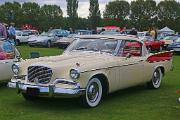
(140,14)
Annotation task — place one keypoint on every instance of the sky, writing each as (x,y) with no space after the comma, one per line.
(83,9)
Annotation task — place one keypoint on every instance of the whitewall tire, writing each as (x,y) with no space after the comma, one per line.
(93,93)
(156,79)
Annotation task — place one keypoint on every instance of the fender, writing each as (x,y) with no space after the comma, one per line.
(161,56)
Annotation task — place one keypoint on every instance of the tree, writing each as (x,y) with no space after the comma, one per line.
(143,14)
(169,14)
(72,6)
(51,16)
(117,10)
(94,14)
(10,12)
(31,13)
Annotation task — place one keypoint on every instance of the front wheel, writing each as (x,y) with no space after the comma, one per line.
(93,94)
(156,79)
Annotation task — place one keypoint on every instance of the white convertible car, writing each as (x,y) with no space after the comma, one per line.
(8,56)
(91,67)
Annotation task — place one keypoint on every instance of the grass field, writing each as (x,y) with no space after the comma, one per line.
(136,103)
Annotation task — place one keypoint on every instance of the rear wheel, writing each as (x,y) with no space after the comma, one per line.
(48,44)
(156,79)
(93,94)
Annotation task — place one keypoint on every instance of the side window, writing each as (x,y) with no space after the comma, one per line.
(134,48)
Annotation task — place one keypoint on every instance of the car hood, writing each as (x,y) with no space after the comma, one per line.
(39,38)
(84,61)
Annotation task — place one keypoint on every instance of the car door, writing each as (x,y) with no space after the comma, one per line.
(132,66)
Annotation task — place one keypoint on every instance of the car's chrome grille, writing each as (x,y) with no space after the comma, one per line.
(39,74)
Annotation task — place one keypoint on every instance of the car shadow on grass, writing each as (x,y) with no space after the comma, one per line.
(73,103)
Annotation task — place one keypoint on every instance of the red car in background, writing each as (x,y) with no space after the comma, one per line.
(151,44)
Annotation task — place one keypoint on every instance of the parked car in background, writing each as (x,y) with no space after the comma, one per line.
(83,32)
(8,56)
(66,41)
(109,33)
(47,39)
(175,45)
(168,40)
(90,68)
(23,36)
(151,44)
(143,34)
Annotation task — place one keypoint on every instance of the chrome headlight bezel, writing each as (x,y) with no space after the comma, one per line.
(74,74)
(16,69)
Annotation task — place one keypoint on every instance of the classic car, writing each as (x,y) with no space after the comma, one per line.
(168,40)
(66,41)
(24,35)
(83,32)
(152,44)
(143,34)
(90,68)
(175,45)
(47,39)
(8,56)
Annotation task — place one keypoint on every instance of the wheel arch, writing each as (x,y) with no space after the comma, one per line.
(162,69)
(104,80)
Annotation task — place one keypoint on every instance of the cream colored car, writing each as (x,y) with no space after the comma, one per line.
(91,67)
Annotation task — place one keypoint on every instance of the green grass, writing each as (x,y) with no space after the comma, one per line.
(136,103)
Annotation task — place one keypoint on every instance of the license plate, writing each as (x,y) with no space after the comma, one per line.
(32,91)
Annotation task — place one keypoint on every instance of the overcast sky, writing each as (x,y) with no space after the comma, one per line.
(83,9)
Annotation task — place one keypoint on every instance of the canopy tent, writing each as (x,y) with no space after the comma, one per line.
(167,30)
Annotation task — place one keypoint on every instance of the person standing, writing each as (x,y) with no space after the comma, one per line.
(12,33)
(3,32)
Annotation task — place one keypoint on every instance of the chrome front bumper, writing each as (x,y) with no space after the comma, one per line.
(47,91)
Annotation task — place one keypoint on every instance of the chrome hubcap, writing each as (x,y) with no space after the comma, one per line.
(156,78)
(93,92)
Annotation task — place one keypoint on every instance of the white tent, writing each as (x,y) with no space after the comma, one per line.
(167,30)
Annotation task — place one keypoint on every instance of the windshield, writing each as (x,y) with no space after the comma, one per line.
(108,46)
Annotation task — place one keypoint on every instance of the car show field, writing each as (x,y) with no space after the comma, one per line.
(133,103)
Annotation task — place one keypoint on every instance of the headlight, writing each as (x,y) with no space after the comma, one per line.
(15,68)
(74,73)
